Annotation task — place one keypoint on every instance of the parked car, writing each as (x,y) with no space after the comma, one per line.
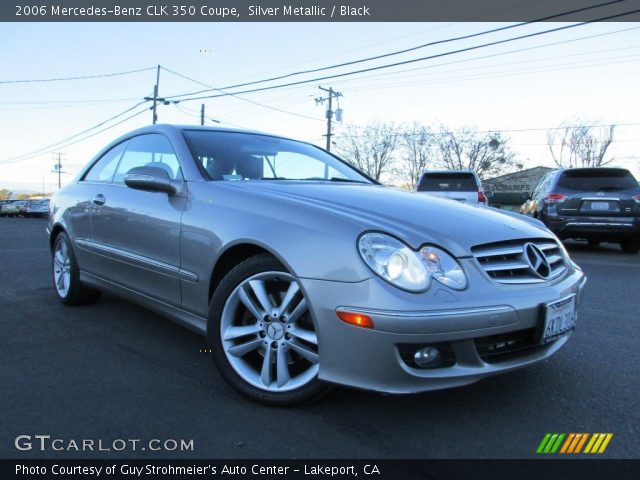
(2,204)
(13,208)
(302,272)
(36,208)
(599,204)
(461,185)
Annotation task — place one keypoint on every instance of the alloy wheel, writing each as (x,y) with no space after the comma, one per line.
(267,333)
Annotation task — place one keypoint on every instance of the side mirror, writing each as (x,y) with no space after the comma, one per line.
(524,196)
(151,179)
(488,194)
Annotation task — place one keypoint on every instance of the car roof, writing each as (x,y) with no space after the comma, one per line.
(176,128)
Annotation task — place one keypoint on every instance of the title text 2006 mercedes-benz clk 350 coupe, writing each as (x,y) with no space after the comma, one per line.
(303,272)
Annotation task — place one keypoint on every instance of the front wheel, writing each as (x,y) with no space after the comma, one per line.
(262,336)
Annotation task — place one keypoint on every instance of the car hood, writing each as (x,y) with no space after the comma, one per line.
(415,218)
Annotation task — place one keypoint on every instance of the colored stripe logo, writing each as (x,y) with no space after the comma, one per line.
(574,443)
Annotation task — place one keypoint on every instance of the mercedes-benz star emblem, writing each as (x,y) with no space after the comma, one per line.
(275,331)
(537,260)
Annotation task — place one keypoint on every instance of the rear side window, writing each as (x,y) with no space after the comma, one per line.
(150,150)
(103,169)
(448,182)
(605,180)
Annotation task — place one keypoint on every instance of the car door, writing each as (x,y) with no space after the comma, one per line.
(137,233)
(80,200)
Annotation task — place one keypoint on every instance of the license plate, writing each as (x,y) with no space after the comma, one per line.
(560,317)
(599,205)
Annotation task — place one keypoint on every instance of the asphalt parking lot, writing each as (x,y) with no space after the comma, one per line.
(116,371)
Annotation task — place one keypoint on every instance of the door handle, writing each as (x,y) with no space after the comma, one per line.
(99,199)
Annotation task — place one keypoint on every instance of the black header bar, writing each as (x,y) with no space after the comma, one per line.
(314,11)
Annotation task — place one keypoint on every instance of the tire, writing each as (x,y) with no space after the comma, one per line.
(630,246)
(267,353)
(593,242)
(66,275)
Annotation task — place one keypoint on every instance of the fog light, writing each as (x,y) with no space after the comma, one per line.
(427,356)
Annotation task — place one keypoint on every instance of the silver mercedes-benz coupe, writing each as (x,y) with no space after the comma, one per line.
(303,272)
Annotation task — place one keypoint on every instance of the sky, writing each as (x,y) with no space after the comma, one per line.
(588,72)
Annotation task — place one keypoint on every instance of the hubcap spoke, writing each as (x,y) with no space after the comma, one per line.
(244,348)
(249,305)
(288,298)
(265,375)
(60,281)
(303,334)
(261,294)
(236,332)
(282,367)
(300,309)
(304,351)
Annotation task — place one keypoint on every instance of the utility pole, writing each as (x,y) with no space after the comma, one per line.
(155,99)
(320,100)
(57,168)
(202,114)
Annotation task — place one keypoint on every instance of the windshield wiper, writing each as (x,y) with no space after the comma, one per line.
(334,179)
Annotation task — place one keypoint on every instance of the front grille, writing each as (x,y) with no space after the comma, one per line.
(521,261)
(506,346)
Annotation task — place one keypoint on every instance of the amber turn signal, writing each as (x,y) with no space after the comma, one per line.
(357,319)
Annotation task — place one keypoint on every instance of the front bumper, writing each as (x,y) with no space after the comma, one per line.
(472,328)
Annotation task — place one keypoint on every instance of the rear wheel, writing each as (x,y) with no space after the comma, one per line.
(630,246)
(262,336)
(66,275)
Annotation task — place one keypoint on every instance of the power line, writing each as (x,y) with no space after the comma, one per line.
(53,102)
(405,62)
(81,139)
(238,97)
(428,67)
(46,148)
(84,77)
(184,110)
(506,73)
(399,52)
(510,130)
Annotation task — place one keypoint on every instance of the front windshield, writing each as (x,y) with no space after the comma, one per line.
(248,156)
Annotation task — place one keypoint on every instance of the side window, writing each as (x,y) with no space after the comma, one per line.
(151,150)
(539,190)
(103,169)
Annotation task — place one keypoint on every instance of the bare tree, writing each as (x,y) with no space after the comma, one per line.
(417,144)
(371,149)
(580,144)
(488,154)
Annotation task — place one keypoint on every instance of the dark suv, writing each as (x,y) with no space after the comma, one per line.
(595,204)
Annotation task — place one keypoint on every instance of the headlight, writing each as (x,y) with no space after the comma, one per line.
(444,268)
(394,261)
(399,265)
